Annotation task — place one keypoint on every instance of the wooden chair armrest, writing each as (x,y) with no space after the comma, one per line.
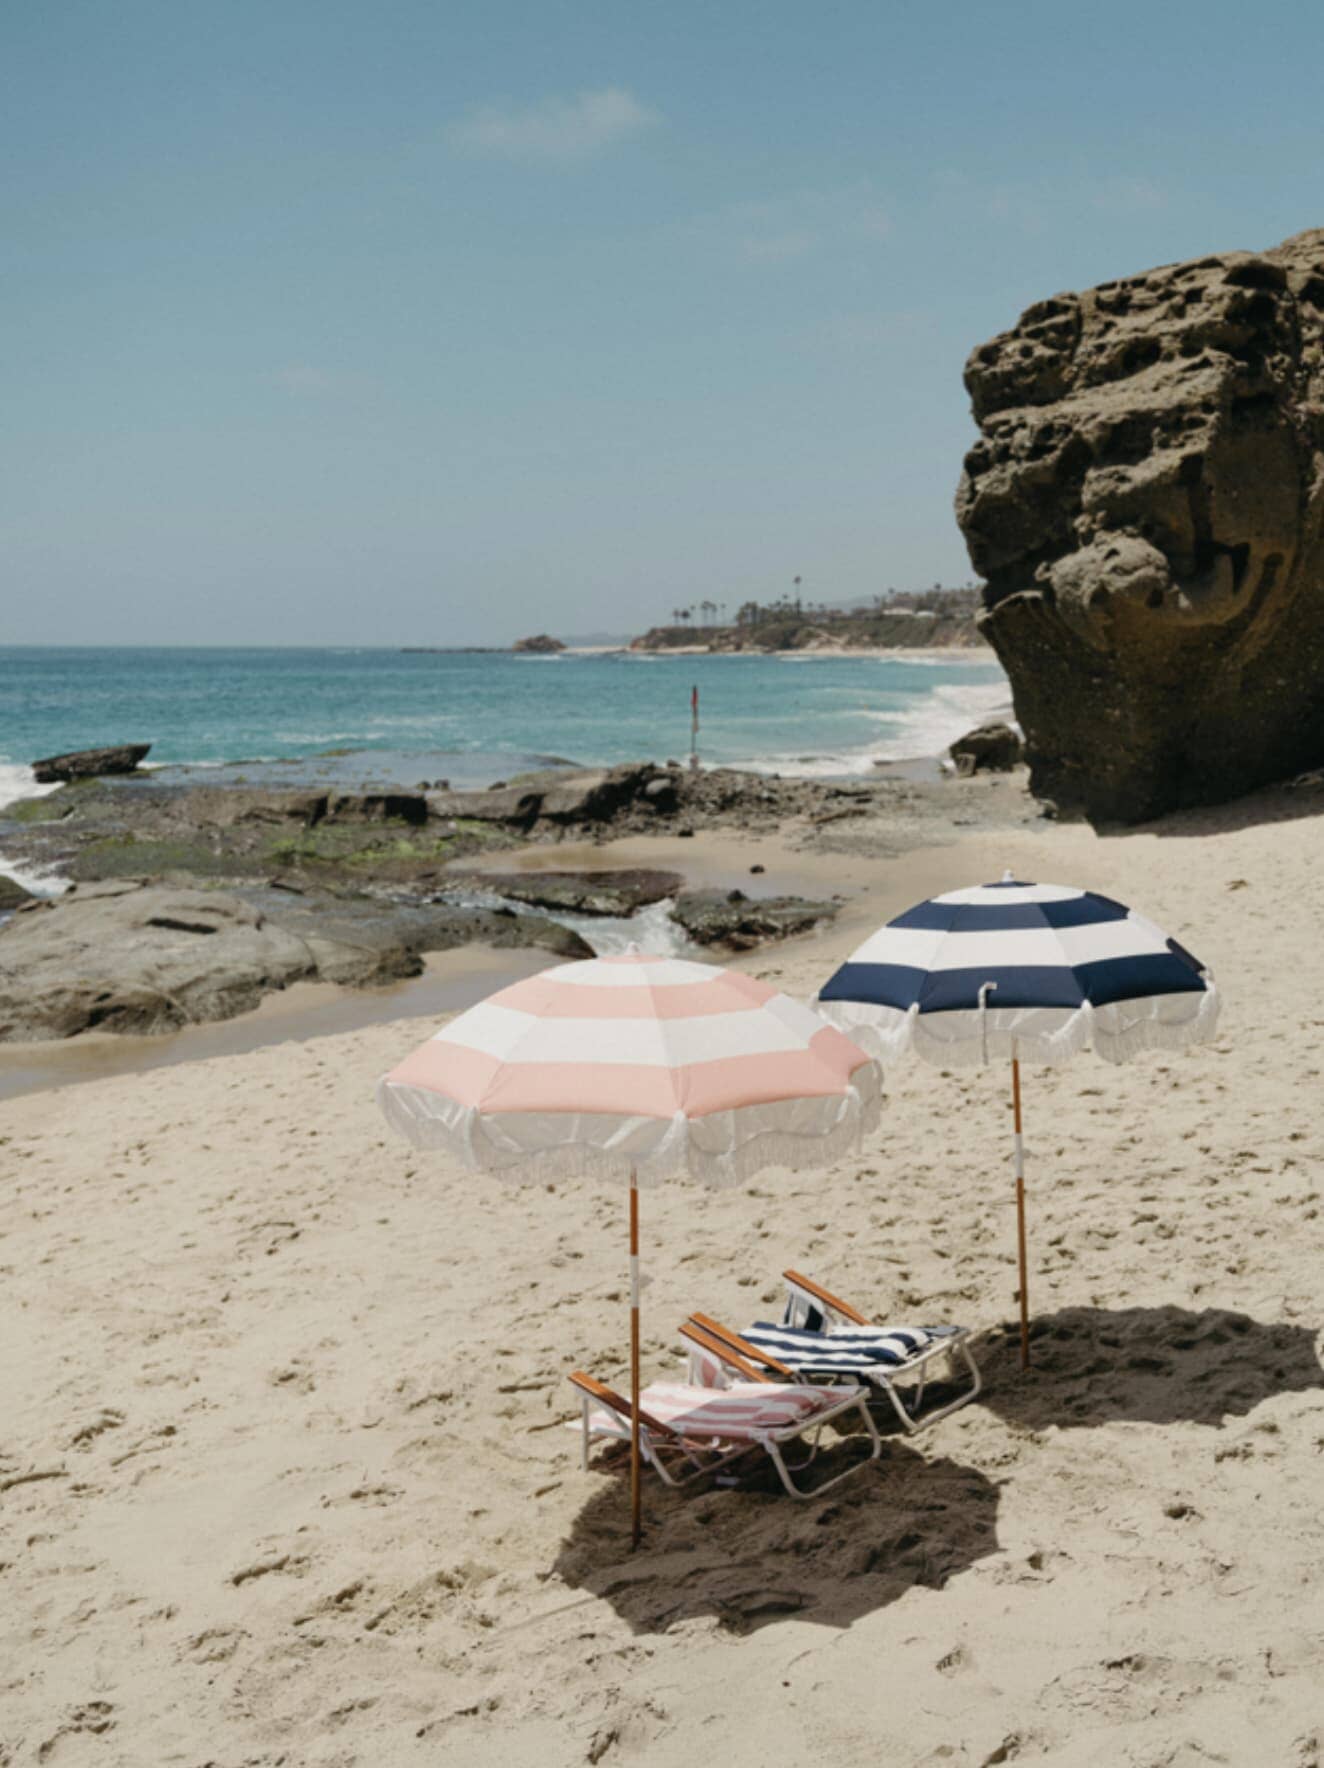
(751,1352)
(607,1396)
(715,1347)
(826,1296)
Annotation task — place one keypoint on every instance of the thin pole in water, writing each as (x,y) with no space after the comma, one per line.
(694,729)
(636,1520)
(1020,1210)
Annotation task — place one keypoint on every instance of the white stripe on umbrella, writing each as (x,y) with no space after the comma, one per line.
(576,1071)
(1046,968)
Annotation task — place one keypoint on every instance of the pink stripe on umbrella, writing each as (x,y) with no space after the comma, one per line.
(487,1083)
(547,998)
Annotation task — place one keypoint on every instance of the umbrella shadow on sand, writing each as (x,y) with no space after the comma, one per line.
(751,1557)
(1159,1365)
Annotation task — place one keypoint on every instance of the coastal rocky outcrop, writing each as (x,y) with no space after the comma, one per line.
(989,748)
(618,893)
(634,797)
(89,764)
(244,835)
(738,923)
(223,806)
(1146,505)
(126,956)
(542,644)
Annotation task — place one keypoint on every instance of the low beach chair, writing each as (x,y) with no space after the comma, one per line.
(691,1428)
(822,1337)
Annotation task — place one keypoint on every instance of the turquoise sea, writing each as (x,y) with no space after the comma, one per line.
(473,718)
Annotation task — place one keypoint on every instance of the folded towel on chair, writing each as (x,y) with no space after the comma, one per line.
(852,1347)
(736,1413)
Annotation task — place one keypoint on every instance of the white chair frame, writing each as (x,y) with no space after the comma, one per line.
(601,1417)
(803,1301)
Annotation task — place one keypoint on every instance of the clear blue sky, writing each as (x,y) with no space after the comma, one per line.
(441,322)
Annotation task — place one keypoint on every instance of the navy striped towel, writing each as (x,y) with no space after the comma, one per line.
(851,1347)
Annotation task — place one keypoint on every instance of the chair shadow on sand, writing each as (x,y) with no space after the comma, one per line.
(1157,1365)
(750,1557)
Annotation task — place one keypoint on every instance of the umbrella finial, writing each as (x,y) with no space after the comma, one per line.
(1007,877)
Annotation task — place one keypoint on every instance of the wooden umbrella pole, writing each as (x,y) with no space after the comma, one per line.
(636,1523)
(1020,1210)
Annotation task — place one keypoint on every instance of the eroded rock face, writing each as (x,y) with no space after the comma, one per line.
(1146,505)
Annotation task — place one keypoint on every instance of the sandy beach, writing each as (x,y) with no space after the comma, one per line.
(282,1478)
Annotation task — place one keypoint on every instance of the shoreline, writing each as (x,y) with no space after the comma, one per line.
(846,726)
(300,1014)
(719,858)
(979,653)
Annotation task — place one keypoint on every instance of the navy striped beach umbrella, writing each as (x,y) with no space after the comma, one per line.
(1035,972)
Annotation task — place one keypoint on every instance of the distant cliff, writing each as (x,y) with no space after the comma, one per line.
(542,644)
(939,619)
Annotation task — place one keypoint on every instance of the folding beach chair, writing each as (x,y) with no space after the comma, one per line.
(822,1337)
(691,1428)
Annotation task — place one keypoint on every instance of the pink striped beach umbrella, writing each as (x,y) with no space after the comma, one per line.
(635,1068)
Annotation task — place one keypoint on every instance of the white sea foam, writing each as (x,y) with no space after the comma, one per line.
(17,783)
(924,728)
(650,928)
(40,880)
(947,712)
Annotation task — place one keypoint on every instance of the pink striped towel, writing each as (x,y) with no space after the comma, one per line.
(736,1414)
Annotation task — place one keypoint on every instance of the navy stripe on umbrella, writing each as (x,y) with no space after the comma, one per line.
(1046,968)
(1030,971)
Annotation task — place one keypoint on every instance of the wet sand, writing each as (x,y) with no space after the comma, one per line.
(451,981)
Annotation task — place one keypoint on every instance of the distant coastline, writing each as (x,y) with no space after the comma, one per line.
(933,620)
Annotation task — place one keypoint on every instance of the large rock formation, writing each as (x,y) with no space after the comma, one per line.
(1146,504)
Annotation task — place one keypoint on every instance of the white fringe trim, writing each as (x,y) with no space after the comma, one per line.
(1046,1035)
(723,1149)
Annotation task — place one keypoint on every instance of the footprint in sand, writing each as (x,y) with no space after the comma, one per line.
(94,1716)
(109,1418)
(291,1564)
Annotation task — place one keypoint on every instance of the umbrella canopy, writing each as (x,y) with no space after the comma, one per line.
(640,1064)
(1035,972)
(635,1067)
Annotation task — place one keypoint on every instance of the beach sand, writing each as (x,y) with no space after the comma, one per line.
(282,1478)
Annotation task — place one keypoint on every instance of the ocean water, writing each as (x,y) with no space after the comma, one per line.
(475,717)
